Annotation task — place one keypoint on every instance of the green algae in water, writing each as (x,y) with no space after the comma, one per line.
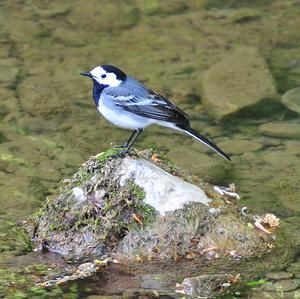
(21,283)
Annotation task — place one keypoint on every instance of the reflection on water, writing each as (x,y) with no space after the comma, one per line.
(227,63)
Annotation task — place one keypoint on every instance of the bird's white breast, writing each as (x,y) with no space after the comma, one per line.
(121,117)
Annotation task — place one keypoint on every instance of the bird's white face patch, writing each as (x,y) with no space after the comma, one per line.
(106,78)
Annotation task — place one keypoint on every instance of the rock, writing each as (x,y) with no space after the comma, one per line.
(291,99)
(170,193)
(68,37)
(239,146)
(285,65)
(104,297)
(292,147)
(8,70)
(285,285)
(141,293)
(236,82)
(279,275)
(286,129)
(43,103)
(294,268)
(124,16)
(204,286)
(167,7)
(112,207)
(244,15)
(269,287)
(52,10)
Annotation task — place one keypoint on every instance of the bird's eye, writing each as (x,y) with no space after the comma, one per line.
(103,76)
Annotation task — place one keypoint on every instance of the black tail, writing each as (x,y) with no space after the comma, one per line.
(204,140)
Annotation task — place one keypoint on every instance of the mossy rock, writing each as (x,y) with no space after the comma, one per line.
(112,206)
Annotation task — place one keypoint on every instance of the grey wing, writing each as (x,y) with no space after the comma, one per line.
(153,106)
(158,96)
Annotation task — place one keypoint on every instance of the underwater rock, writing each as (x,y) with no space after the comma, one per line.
(167,7)
(279,275)
(286,129)
(106,18)
(8,70)
(239,146)
(240,79)
(291,99)
(68,37)
(204,286)
(285,285)
(295,268)
(113,207)
(43,103)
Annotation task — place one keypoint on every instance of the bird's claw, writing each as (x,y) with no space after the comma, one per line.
(120,154)
(119,146)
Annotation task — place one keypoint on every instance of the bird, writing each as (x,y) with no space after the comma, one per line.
(129,104)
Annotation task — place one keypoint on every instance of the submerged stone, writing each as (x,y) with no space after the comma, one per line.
(286,129)
(291,99)
(204,286)
(279,275)
(44,103)
(240,79)
(239,146)
(285,285)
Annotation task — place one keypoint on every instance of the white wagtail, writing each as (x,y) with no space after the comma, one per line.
(127,103)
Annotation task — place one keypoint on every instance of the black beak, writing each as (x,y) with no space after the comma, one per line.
(87,74)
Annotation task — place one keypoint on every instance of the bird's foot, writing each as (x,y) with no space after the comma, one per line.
(120,146)
(121,153)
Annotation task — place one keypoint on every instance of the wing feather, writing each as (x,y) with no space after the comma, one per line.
(153,105)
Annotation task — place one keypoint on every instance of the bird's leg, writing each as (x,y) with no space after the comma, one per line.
(131,141)
(128,141)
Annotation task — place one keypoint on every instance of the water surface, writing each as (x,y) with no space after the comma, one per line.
(49,125)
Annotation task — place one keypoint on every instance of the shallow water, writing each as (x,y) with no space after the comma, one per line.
(49,125)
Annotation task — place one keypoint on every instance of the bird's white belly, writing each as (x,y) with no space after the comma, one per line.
(123,118)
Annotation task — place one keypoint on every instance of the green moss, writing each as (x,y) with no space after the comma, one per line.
(254,283)
(146,212)
(104,156)
(138,192)
(52,227)
(82,176)
(25,240)
(38,214)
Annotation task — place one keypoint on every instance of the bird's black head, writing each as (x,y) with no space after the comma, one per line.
(106,75)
